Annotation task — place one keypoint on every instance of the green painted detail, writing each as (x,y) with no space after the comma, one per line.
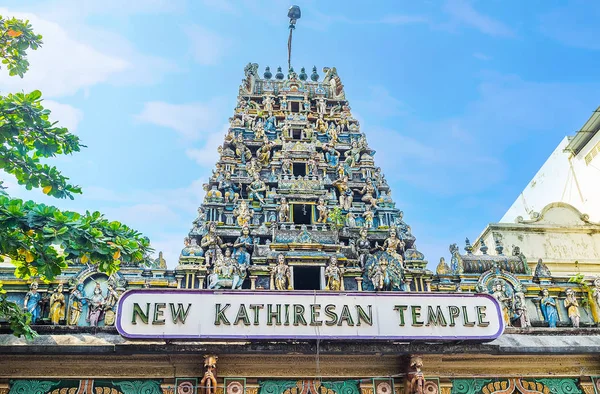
(31,386)
(468,386)
(345,387)
(139,386)
(276,386)
(561,386)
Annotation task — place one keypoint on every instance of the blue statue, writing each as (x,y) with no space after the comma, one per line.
(228,188)
(332,156)
(32,302)
(243,246)
(548,306)
(269,125)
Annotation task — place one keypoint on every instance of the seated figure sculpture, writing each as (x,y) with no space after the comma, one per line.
(226,273)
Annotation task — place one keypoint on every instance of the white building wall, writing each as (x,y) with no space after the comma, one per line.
(562,178)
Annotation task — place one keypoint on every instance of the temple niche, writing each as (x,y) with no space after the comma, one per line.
(296,178)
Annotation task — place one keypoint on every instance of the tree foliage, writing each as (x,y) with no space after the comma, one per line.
(40,240)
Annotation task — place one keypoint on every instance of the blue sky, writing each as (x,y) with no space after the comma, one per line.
(462,100)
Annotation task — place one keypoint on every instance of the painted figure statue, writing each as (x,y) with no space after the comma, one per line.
(243,213)
(31,303)
(393,245)
(283,211)
(548,307)
(110,304)
(241,150)
(256,189)
(521,310)
(191,248)
(596,297)
(334,275)
(385,276)
(281,276)
(368,192)
(345,192)
(505,301)
(369,216)
(96,307)
(243,247)
(77,300)
(57,305)
(572,307)
(331,155)
(287,166)
(227,273)
(211,242)
(228,188)
(323,211)
(363,246)
(263,154)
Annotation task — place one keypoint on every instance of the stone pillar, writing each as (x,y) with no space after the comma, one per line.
(408,282)
(200,277)
(428,284)
(179,278)
(359,280)
(253,282)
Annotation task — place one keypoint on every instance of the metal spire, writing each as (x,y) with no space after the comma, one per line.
(294,14)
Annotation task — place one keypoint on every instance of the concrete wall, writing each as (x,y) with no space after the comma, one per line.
(559,236)
(562,178)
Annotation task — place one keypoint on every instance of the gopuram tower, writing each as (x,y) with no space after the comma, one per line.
(296,201)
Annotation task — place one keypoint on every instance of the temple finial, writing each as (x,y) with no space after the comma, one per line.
(294,14)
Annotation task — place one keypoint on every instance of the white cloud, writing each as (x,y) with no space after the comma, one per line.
(464,13)
(190,120)
(66,115)
(481,56)
(207,47)
(207,156)
(64,64)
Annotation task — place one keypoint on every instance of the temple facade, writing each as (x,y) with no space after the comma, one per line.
(301,276)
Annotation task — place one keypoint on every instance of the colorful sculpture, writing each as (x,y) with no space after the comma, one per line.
(572,307)
(77,301)
(281,276)
(31,302)
(334,275)
(57,305)
(96,307)
(243,247)
(548,307)
(110,304)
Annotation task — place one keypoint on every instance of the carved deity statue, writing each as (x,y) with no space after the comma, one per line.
(263,154)
(321,106)
(57,305)
(96,307)
(596,297)
(323,211)
(368,215)
(521,310)
(259,130)
(243,247)
(241,150)
(227,272)
(321,125)
(548,307)
(393,245)
(345,192)
(287,166)
(350,220)
(281,276)
(270,125)
(243,213)
(353,155)
(311,164)
(283,211)
(76,302)
(191,248)
(31,303)
(256,189)
(384,275)
(443,268)
(334,276)
(332,133)
(110,304)
(332,156)
(211,243)
(268,102)
(228,188)
(368,191)
(572,307)
(208,383)
(505,301)
(363,246)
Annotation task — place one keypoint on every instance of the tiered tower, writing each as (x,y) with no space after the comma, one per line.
(296,201)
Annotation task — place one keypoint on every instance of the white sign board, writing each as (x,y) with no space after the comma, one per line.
(197,314)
